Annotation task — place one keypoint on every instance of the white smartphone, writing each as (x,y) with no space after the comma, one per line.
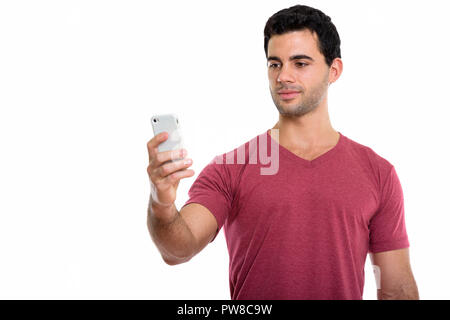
(170,124)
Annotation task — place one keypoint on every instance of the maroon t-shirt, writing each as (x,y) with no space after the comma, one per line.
(304,232)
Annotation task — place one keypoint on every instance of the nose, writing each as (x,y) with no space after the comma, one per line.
(285,75)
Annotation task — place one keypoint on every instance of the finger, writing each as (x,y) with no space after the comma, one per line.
(159,173)
(152,145)
(161,158)
(177,176)
(171,167)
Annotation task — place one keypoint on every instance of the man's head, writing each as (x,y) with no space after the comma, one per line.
(302,48)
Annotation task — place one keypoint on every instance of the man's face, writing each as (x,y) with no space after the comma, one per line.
(298,73)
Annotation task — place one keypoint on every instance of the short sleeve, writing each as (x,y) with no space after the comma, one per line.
(212,189)
(387,227)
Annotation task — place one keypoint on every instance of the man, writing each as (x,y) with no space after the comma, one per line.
(304,231)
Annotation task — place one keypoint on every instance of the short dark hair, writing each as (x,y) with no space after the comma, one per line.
(302,17)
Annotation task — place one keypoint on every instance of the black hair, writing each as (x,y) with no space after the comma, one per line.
(302,17)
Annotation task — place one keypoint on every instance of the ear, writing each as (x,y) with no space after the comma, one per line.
(336,69)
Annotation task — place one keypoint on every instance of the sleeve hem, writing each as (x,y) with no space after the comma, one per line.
(388,246)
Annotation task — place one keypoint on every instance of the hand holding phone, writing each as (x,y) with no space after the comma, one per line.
(168,123)
(167,161)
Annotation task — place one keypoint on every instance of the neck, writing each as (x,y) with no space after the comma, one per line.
(310,131)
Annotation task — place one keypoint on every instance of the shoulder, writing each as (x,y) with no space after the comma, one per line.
(370,159)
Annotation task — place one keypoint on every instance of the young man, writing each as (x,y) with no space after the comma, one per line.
(303,230)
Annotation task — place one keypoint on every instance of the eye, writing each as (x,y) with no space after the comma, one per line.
(273,65)
(301,64)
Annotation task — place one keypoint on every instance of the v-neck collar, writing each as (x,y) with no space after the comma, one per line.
(308,163)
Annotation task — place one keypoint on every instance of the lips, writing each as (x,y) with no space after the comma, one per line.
(288,94)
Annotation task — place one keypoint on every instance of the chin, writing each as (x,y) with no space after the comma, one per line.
(289,104)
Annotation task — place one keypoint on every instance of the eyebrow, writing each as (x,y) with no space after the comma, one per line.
(296,57)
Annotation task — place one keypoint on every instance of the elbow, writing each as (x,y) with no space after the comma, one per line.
(403,292)
(175,257)
(173,261)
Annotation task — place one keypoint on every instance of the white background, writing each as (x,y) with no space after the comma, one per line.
(79,81)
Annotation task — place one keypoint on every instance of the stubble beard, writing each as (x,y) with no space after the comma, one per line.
(306,104)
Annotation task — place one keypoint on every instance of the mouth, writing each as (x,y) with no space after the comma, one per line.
(287,95)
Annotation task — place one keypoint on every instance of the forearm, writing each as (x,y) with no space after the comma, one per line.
(171,234)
